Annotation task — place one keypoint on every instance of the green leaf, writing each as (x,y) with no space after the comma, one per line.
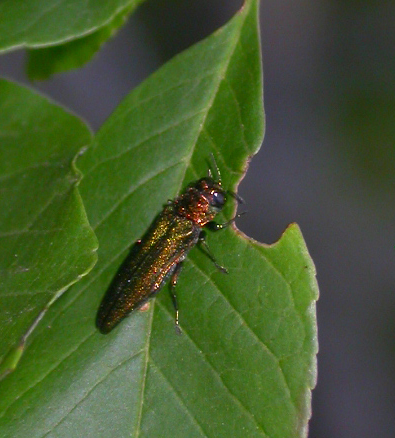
(46,241)
(245,363)
(37,23)
(45,62)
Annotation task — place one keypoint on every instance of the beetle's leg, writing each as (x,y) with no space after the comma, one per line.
(202,241)
(213,226)
(173,282)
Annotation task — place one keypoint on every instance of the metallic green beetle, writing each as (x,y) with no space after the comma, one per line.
(160,253)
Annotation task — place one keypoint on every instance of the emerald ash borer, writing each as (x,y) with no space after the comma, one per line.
(159,255)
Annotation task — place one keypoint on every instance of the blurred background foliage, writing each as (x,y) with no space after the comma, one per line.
(327,163)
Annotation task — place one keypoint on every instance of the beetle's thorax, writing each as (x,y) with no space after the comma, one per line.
(194,206)
(201,201)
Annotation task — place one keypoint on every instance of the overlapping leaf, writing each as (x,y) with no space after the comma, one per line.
(46,241)
(62,34)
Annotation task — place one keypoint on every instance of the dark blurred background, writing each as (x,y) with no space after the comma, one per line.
(327,163)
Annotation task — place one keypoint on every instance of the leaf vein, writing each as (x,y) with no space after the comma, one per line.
(179,397)
(218,374)
(97,383)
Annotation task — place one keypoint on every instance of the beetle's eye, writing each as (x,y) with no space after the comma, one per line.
(218,199)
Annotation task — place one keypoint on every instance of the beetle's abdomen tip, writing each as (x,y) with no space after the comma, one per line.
(103,325)
(104,330)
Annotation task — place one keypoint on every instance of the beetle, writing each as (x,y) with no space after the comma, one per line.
(159,255)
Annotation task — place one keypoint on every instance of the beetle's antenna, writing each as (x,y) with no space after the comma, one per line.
(234,195)
(218,174)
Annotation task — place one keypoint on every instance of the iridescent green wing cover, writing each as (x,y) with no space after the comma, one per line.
(147,267)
